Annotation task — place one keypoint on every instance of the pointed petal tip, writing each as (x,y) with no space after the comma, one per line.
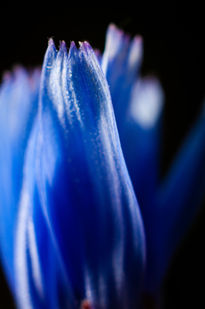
(51,49)
(88,52)
(72,45)
(63,47)
(19,70)
(118,32)
(138,39)
(113,27)
(85,45)
(98,53)
(7,75)
(73,50)
(51,42)
(16,71)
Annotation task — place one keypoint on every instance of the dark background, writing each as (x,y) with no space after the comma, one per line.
(174,50)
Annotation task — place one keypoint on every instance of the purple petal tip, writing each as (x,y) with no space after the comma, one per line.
(85,46)
(63,47)
(51,42)
(118,32)
(113,27)
(73,49)
(72,45)
(6,76)
(138,39)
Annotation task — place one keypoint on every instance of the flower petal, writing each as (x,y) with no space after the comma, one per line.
(141,146)
(181,194)
(18,105)
(138,105)
(38,267)
(86,196)
(121,63)
(141,149)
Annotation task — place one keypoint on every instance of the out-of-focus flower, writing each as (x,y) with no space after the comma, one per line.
(169,205)
(71,232)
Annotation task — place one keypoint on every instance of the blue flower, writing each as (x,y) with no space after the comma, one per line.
(169,205)
(79,148)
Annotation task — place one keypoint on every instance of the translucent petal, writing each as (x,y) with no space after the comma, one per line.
(18,105)
(141,146)
(138,105)
(180,195)
(121,62)
(39,276)
(93,225)
(141,149)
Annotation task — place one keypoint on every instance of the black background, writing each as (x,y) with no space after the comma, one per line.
(174,50)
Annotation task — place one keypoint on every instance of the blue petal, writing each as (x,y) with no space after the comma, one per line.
(180,196)
(142,153)
(18,105)
(92,223)
(141,146)
(138,105)
(38,267)
(121,63)
(98,55)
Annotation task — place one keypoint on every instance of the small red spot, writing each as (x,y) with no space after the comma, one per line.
(86,304)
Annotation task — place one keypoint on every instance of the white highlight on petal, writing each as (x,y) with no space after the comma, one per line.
(55,86)
(32,246)
(147,102)
(113,42)
(88,286)
(24,241)
(136,52)
(68,90)
(21,267)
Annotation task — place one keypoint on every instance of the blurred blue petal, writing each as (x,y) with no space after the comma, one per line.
(77,185)
(180,194)
(141,146)
(138,105)
(142,154)
(121,63)
(18,105)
